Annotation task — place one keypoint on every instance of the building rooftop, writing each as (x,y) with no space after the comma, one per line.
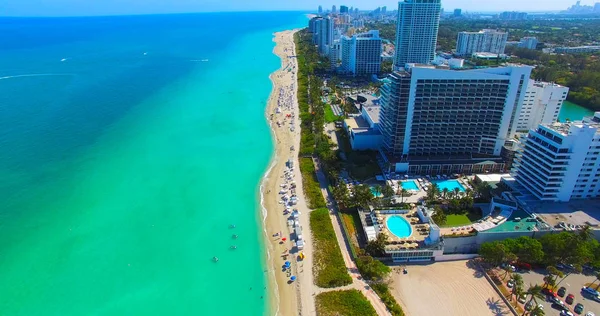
(356,122)
(373,112)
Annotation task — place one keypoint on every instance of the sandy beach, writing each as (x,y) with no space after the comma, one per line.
(446,288)
(289,298)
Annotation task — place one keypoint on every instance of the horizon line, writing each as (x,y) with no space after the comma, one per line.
(144,14)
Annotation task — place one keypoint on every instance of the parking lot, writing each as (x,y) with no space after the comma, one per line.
(573,284)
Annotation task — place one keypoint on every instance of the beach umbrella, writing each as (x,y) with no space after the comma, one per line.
(293,278)
(284,239)
(287,263)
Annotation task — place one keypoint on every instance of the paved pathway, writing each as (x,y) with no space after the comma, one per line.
(357,281)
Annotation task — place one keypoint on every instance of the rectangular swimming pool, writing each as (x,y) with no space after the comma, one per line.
(409,185)
(449,184)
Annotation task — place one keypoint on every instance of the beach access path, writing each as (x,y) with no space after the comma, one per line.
(289,298)
(344,244)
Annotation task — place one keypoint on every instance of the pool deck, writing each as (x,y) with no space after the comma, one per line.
(423,184)
(419,230)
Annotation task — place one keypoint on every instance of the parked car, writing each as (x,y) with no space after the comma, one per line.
(578,308)
(510,283)
(556,300)
(561,266)
(548,291)
(522,299)
(523,265)
(590,314)
(562,291)
(590,291)
(570,298)
(566,313)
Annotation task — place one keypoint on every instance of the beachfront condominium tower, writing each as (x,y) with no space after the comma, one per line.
(560,161)
(417,30)
(542,104)
(320,10)
(361,53)
(324,34)
(431,118)
(488,41)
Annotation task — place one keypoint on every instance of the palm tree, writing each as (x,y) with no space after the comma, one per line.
(518,287)
(444,192)
(553,275)
(576,268)
(536,293)
(597,278)
(377,189)
(537,311)
(468,192)
(433,192)
(456,192)
(402,192)
(507,269)
(585,233)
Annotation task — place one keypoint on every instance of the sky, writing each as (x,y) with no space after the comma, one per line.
(120,7)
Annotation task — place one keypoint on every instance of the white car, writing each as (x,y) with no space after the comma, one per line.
(590,314)
(566,313)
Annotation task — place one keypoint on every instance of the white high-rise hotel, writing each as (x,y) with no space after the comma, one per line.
(561,161)
(361,53)
(416,33)
(489,41)
(444,121)
(541,105)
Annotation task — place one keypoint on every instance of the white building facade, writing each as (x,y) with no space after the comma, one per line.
(416,33)
(361,53)
(561,161)
(542,104)
(487,41)
(528,42)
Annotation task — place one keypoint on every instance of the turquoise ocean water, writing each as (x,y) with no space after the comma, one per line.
(573,112)
(128,145)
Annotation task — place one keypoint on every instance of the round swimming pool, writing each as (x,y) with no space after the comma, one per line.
(399,226)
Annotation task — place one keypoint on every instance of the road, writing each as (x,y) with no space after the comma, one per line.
(357,281)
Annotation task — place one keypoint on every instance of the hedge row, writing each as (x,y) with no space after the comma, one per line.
(388,299)
(310,184)
(347,303)
(329,268)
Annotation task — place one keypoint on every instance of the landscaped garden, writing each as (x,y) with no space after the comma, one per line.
(347,303)
(329,267)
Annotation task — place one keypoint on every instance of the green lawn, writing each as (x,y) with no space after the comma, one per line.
(457,220)
(347,303)
(329,115)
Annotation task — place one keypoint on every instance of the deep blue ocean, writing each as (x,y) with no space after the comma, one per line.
(128,145)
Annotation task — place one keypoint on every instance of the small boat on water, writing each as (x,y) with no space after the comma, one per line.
(232,226)
(215,259)
(234,236)
(233,247)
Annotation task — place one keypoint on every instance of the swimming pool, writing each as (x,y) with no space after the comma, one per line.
(449,184)
(409,185)
(399,226)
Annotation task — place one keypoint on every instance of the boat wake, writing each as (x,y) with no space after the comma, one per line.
(34,75)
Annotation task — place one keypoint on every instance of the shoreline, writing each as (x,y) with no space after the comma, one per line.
(285,298)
